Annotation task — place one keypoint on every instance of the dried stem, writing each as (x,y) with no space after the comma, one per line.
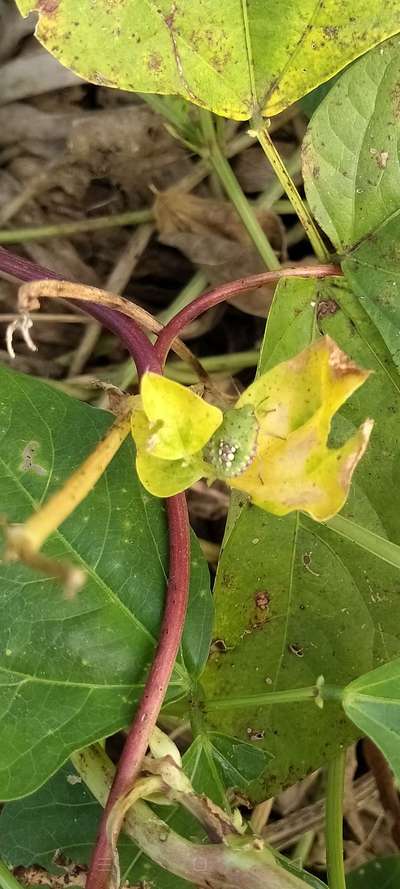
(30,294)
(225,291)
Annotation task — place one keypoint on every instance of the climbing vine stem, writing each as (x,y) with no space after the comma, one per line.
(173,619)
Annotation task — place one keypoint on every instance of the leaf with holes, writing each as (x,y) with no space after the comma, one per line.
(71,671)
(351,150)
(295,600)
(236,58)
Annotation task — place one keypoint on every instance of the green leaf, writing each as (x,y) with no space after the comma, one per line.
(381,873)
(351,150)
(372,702)
(61,820)
(71,671)
(293,599)
(217,763)
(235,58)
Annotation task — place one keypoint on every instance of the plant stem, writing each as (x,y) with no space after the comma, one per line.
(334,822)
(215,364)
(384,549)
(156,684)
(290,696)
(177,587)
(191,291)
(236,863)
(275,190)
(7,879)
(225,291)
(228,179)
(61,229)
(31,293)
(287,183)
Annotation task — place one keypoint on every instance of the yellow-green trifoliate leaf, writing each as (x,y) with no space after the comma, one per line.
(180,422)
(293,468)
(235,58)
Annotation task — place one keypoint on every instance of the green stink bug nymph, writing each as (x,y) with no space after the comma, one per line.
(232,447)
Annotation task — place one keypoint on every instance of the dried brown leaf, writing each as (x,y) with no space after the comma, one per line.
(210,234)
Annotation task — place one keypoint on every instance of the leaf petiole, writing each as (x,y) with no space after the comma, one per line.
(268,147)
(224,171)
(318,692)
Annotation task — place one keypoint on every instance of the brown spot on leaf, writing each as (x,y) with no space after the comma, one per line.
(48,6)
(340,363)
(326,307)
(396,100)
(381,157)
(27,464)
(255,734)
(154,62)
(262,600)
(296,649)
(331,32)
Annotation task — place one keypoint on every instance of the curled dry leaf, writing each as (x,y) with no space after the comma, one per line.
(128,146)
(211,235)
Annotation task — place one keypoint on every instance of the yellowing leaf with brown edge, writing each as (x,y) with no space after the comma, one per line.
(235,58)
(293,468)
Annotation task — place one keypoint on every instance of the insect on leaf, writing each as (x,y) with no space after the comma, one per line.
(293,468)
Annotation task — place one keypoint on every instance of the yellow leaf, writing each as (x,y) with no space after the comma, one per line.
(163,478)
(180,422)
(293,468)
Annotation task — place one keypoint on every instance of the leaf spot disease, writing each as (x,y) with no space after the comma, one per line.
(262,600)
(331,32)
(381,157)
(255,734)
(48,6)
(296,649)
(27,464)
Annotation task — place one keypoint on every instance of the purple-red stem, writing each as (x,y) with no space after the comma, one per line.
(148,357)
(224,292)
(173,619)
(136,342)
